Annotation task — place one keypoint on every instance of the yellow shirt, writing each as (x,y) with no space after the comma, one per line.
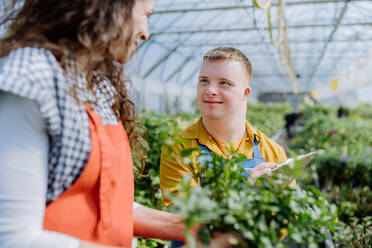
(172,169)
(224,145)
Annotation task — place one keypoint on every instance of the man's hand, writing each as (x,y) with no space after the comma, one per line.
(260,170)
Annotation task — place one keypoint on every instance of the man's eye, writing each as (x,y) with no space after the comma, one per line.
(224,83)
(203,81)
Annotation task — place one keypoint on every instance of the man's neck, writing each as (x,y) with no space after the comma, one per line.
(225,130)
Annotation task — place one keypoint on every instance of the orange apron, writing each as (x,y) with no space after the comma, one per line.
(98,207)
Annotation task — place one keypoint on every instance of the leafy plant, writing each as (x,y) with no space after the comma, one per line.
(268,118)
(150,243)
(356,235)
(345,168)
(158,129)
(336,170)
(226,201)
(353,203)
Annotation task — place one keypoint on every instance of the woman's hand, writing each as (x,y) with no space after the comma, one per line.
(260,170)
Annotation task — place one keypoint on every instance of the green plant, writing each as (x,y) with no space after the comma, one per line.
(318,111)
(345,168)
(267,118)
(150,243)
(336,170)
(158,129)
(358,234)
(225,201)
(364,111)
(353,203)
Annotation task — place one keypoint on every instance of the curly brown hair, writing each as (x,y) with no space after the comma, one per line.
(85,29)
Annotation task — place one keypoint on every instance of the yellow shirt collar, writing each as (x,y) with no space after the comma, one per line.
(198,132)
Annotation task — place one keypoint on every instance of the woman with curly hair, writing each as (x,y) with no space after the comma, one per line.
(66,121)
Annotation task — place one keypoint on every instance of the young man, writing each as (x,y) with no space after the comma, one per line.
(223,89)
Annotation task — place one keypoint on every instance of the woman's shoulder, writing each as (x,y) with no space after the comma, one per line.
(24,60)
(30,72)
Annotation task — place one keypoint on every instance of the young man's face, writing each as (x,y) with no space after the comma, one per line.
(223,89)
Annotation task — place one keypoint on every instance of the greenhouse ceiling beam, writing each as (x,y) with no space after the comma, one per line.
(160,61)
(174,73)
(151,40)
(260,43)
(174,49)
(229,7)
(296,56)
(162,45)
(329,60)
(190,56)
(301,56)
(302,74)
(277,65)
(357,52)
(187,59)
(336,25)
(218,30)
(189,77)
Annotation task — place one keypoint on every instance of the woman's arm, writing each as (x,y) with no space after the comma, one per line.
(152,223)
(23,177)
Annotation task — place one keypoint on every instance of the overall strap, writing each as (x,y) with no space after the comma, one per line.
(205,157)
(206,153)
(204,148)
(256,148)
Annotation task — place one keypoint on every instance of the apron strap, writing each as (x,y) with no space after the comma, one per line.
(205,157)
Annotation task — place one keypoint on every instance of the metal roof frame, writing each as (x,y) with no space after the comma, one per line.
(320,45)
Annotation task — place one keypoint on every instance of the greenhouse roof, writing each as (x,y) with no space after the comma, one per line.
(324,38)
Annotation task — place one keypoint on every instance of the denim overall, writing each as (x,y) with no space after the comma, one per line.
(248,165)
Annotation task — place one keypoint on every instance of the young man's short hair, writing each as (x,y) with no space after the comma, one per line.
(229,53)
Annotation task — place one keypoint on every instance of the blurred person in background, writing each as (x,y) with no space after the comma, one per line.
(341,111)
(291,121)
(66,121)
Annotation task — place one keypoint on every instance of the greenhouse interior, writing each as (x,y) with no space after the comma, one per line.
(307,112)
(308,56)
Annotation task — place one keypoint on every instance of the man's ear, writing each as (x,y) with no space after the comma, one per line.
(247,91)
